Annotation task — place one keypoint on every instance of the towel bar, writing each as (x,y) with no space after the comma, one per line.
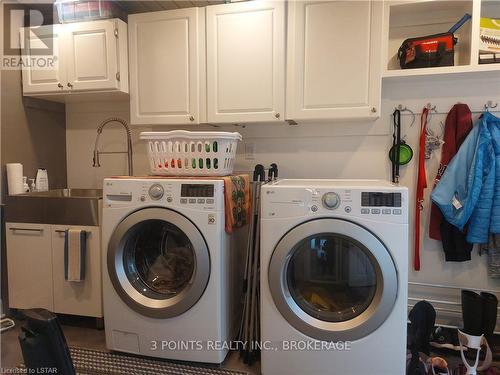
(64,231)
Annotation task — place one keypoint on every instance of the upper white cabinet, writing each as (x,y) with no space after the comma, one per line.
(246,61)
(334,59)
(166,60)
(89,56)
(37,80)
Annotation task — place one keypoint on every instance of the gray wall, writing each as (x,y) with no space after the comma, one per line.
(33,133)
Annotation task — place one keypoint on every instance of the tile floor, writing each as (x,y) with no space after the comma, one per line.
(84,335)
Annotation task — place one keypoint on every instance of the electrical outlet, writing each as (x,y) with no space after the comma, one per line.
(249,151)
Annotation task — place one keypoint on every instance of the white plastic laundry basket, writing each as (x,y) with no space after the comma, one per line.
(185,153)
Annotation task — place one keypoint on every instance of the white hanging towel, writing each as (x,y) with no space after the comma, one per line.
(75,248)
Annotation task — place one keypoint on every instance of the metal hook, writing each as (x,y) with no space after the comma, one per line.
(490,105)
(431,109)
(406,109)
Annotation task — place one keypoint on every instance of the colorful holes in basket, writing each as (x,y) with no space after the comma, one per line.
(208,163)
(215,146)
(216,163)
(200,163)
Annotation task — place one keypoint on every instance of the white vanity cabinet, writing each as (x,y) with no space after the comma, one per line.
(246,61)
(88,57)
(29,265)
(77,298)
(167,63)
(334,60)
(35,266)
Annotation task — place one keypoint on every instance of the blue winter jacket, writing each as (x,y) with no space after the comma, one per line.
(469,190)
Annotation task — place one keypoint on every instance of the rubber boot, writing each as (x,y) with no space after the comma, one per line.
(472,313)
(490,305)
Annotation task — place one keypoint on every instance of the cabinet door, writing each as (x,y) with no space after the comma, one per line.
(92,56)
(246,61)
(164,58)
(334,59)
(29,266)
(40,78)
(77,298)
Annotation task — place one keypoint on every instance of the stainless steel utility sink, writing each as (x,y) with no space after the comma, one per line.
(57,206)
(66,193)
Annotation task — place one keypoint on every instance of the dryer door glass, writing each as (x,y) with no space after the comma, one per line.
(331,277)
(333,280)
(159,259)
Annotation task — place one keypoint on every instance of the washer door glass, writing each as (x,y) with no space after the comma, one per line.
(158,262)
(331,277)
(159,258)
(333,280)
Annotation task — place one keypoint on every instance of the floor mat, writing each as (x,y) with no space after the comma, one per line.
(99,362)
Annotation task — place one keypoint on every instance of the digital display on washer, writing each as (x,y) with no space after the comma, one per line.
(378,199)
(197,190)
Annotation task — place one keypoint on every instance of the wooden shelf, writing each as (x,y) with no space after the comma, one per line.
(445,70)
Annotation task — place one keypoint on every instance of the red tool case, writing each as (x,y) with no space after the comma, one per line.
(431,50)
(428,51)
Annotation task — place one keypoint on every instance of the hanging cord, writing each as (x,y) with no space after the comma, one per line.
(396,145)
(421,185)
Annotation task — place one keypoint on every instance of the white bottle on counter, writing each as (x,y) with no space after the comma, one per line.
(42,180)
(26,188)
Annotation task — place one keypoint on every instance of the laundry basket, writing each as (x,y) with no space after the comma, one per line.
(185,153)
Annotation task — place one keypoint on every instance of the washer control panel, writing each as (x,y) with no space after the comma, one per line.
(193,194)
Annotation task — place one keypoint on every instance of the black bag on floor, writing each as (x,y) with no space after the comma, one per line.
(43,344)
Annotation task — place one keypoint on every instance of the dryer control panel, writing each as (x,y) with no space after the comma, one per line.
(382,204)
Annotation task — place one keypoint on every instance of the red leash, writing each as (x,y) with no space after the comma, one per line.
(421,185)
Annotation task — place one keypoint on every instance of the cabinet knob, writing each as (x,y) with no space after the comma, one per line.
(277,115)
(191,118)
(374,110)
(60,85)
(70,84)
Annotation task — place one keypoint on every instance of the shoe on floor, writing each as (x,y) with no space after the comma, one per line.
(444,338)
(437,366)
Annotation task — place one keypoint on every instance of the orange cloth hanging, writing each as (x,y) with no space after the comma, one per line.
(238,201)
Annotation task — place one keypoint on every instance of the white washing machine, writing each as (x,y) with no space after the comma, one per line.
(334,270)
(169,277)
